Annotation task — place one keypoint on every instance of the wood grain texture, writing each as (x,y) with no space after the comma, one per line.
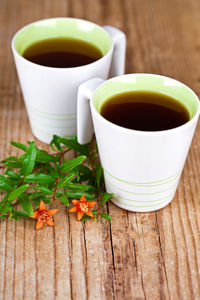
(137,256)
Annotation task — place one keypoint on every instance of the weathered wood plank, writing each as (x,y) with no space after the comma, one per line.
(62,254)
(136,256)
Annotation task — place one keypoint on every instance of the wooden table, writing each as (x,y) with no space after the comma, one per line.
(136,256)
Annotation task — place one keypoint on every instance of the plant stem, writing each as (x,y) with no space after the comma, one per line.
(56,187)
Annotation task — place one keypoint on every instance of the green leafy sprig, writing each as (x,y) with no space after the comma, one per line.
(38,175)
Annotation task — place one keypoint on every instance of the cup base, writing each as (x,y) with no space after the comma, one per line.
(43,139)
(141,209)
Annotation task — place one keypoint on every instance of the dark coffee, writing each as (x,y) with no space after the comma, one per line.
(145,110)
(62,53)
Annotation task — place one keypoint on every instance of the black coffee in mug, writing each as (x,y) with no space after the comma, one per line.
(62,53)
(145,110)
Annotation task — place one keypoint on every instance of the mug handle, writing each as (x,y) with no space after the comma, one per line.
(119,50)
(84,118)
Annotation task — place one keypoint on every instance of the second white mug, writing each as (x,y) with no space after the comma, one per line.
(141,168)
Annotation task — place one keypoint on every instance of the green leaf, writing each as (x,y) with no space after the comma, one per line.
(21,213)
(3,201)
(36,195)
(14,182)
(70,144)
(51,171)
(77,195)
(86,173)
(62,198)
(105,198)
(43,189)
(69,165)
(13,216)
(62,183)
(80,187)
(39,178)
(17,192)
(43,157)
(25,202)
(22,157)
(6,208)
(56,142)
(12,174)
(19,145)
(11,158)
(4,183)
(84,218)
(3,216)
(14,165)
(29,161)
(95,212)
(99,178)
(105,216)
(76,175)
(73,144)
(5,205)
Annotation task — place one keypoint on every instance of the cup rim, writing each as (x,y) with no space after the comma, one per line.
(142,132)
(54,68)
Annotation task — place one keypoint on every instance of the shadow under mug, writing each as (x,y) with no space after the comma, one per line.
(50,94)
(141,168)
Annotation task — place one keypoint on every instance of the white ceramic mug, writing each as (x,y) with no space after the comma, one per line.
(50,94)
(141,168)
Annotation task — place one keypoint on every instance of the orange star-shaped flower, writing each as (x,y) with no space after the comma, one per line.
(43,216)
(82,207)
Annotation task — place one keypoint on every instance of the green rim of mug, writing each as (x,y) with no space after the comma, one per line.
(147,82)
(62,27)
